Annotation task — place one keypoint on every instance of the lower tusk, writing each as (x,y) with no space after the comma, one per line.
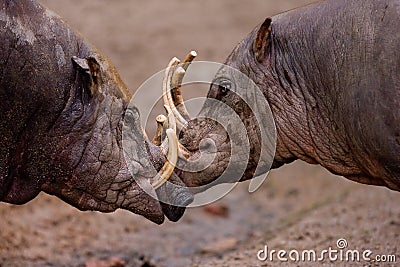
(171,118)
(172,125)
(161,119)
(183,153)
(164,147)
(168,168)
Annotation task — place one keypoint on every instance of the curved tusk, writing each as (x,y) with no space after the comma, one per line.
(172,125)
(171,118)
(177,87)
(183,153)
(172,88)
(161,119)
(175,92)
(168,168)
(189,58)
(172,75)
(166,87)
(177,118)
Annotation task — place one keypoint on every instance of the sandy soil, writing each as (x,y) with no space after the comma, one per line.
(299,207)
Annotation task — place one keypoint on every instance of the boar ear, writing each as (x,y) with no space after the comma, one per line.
(91,69)
(260,44)
(81,63)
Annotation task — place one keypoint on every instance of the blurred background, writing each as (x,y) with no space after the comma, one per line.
(299,206)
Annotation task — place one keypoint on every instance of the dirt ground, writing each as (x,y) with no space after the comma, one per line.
(299,207)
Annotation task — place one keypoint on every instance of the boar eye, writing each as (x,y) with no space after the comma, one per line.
(224,87)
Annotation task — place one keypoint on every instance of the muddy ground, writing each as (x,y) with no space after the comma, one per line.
(299,207)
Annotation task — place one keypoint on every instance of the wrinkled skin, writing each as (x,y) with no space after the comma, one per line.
(330,73)
(61,119)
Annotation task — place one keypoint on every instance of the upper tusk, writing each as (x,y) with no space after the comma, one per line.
(168,168)
(173,74)
(189,58)
(177,87)
(166,87)
(176,97)
(172,88)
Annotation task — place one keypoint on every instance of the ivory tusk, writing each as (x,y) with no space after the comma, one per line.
(189,58)
(177,87)
(183,153)
(166,87)
(177,118)
(175,91)
(172,75)
(172,125)
(168,168)
(161,119)
(171,118)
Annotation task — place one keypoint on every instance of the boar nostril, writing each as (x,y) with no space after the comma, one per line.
(208,145)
